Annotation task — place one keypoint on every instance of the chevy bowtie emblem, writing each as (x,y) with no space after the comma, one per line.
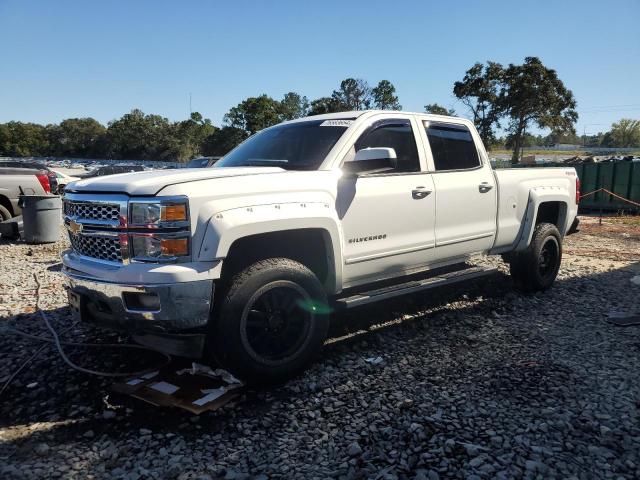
(75,227)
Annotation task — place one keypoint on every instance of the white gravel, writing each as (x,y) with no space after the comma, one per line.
(481,382)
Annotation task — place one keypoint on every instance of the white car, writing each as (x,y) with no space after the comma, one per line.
(64,180)
(244,262)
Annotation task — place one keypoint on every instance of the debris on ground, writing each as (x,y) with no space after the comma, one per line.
(198,389)
(624,319)
(374,360)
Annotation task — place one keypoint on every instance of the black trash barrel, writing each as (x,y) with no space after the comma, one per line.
(41,215)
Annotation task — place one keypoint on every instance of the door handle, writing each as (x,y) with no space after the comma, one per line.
(419,193)
(484,187)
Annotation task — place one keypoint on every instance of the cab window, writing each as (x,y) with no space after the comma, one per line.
(396,134)
(452,146)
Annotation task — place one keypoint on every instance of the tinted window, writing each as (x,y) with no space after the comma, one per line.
(452,146)
(396,134)
(293,146)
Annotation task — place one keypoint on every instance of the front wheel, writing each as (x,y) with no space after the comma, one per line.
(536,268)
(272,321)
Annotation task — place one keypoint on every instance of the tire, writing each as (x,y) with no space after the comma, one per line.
(536,268)
(4,214)
(271,322)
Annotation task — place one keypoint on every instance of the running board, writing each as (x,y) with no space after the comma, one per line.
(413,286)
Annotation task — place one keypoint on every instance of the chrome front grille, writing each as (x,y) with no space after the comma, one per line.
(95,224)
(102,247)
(92,211)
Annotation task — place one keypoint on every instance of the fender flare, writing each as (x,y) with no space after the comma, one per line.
(537,196)
(225,227)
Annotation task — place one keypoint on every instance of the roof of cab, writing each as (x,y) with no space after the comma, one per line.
(353,114)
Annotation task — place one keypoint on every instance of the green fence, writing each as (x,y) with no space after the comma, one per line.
(621,178)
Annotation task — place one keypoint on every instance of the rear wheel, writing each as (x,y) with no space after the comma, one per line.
(536,268)
(272,321)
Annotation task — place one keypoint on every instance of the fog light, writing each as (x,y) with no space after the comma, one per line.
(148,302)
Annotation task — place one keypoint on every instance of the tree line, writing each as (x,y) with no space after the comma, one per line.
(511,99)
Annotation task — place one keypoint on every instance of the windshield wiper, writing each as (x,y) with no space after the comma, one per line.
(267,162)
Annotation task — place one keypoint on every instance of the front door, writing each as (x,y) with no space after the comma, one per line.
(387,217)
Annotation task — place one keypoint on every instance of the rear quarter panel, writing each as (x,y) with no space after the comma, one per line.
(521,191)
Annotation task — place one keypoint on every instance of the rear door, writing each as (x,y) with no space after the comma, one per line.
(465,191)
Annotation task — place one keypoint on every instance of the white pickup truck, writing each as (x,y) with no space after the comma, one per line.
(243,262)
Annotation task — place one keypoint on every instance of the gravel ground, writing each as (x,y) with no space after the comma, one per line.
(475,382)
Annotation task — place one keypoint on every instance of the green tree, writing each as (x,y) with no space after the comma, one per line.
(384,96)
(436,109)
(479,90)
(326,105)
(353,94)
(223,140)
(254,114)
(19,139)
(625,133)
(144,137)
(78,137)
(556,137)
(533,94)
(293,106)
(189,135)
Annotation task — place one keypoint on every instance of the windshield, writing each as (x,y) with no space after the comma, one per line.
(293,146)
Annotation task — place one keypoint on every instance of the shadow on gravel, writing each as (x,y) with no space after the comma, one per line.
(495,345)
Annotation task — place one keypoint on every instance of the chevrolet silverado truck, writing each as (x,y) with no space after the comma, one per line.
(243,263)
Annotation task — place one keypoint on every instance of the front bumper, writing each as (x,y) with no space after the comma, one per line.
(176,306)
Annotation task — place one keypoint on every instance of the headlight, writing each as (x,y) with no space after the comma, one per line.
(159,229)
(165,213)
(154,247)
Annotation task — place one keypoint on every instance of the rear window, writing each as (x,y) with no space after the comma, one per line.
(452,146)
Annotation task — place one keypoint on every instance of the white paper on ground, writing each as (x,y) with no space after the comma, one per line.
(197,368)
(227,377)
(636,280)
(135,381)
(165,387)
(210,396)
(149,375)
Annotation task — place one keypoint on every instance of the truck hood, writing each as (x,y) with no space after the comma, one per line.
(151,182)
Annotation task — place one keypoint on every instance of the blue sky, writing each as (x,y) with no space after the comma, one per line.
(61,59)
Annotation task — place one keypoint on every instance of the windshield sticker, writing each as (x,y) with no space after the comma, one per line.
(337,123)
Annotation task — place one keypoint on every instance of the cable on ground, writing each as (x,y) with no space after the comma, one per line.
(55,339)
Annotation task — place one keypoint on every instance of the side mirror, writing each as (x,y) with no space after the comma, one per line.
(371,159)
